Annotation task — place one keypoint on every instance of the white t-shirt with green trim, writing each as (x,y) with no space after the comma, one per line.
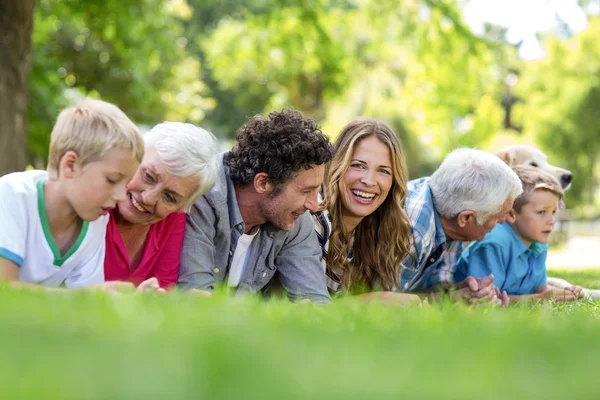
(26,240)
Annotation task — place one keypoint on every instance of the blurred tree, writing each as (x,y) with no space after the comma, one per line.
(562,95)
(131,53)
(16,19)
(336,60)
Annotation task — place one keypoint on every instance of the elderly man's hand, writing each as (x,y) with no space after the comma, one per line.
(476,290)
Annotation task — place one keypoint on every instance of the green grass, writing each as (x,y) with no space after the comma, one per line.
(97,346)
(589,278)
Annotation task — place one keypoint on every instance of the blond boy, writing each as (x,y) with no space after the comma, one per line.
(515,251)
(54,222)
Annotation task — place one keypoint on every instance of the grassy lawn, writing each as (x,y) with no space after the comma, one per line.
(589,278)
(96,346)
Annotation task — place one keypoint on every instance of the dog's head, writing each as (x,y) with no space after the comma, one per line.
(522,154)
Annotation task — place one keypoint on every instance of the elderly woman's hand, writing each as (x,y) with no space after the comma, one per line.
(150,286)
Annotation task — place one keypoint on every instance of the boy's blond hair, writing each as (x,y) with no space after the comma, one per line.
(91,128)
(534,179)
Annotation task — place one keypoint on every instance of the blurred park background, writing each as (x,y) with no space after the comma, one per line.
(444,73)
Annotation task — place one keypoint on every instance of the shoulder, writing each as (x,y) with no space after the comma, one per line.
(494,244)
(419,202)
(303,231)
(501,235)
(22,183)
(220,191)
(420,209)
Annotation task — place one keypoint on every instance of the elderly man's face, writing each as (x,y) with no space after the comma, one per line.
(477,232)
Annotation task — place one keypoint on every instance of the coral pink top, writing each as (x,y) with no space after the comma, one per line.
(160,256)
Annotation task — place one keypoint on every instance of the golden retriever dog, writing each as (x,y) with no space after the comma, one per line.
(520,154)
(523,154)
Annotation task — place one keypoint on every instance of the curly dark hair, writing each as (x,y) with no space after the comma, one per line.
(280,146)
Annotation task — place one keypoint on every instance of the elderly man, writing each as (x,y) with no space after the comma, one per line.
(254,223)
(462,201)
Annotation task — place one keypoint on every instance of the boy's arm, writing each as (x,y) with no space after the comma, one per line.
(9,271)
(546,293)
(13,235)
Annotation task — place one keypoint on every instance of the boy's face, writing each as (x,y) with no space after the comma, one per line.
(535,221)
(96,188)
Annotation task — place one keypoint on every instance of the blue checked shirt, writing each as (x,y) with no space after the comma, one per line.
(432,258)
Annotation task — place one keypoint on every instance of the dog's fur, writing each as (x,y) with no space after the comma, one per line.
(522,154)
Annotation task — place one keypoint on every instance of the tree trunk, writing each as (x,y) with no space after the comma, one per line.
(16,22)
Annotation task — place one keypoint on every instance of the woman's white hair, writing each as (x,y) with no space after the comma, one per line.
(186,150)
(470,179)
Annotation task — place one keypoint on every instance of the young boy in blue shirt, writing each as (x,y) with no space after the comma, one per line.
(515,251)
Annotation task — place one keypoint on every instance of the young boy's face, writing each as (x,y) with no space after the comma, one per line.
(536,219)
(97,188)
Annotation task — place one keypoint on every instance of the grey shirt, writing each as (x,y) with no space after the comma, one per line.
(213,228)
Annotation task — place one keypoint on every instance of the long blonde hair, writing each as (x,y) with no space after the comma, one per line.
(381,239)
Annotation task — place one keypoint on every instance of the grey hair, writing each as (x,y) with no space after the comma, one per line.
(186,150)
(470,179)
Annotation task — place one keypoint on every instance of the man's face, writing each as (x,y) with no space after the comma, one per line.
(292,199)
(472,231)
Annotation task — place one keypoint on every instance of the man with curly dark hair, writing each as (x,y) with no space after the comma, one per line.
(254,222)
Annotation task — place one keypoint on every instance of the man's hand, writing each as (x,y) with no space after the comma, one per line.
(477,290)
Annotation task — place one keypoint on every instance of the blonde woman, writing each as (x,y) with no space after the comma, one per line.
(363,229)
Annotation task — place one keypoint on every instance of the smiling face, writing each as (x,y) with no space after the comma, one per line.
(153,193)
(536,219)
(367,181)
(292,200)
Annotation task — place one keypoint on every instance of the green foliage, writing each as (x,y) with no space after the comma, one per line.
(126,52)
(414,63)
(96,346)
(563,93)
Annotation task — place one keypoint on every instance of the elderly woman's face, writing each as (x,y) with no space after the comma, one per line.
(153,193)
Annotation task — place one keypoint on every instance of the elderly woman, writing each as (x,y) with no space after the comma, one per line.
(145,231)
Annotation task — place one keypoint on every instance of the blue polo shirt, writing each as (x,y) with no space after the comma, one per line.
(518,269)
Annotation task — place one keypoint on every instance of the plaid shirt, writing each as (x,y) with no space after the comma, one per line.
(433,257)
(323,231)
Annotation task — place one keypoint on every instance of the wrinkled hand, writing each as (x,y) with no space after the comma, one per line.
(150,286)
(479,290)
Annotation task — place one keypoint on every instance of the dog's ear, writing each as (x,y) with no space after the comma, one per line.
(508,156)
